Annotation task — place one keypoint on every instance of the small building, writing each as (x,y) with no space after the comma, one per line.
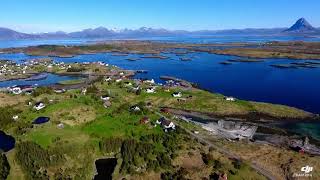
(84,91)
(60,126)
(16,90)
(164,110)
(128,84)
(144,120)
(16,117)
(105,98)
(107,79)
(135,108)
(149,81)
(150,90)
(177,94)
(166,124)
(59,91)
(118,80)
(230,98)
(39,105)
(196,132)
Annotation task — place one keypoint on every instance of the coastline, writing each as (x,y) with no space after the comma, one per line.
(277,50)
(240,114)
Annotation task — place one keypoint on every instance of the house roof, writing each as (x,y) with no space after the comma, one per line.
(38,103)
(165,122)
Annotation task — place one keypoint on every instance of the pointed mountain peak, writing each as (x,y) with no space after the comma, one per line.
(301,26)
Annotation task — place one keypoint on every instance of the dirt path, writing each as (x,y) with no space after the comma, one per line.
(16,172)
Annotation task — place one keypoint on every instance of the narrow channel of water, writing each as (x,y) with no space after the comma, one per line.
(49,80)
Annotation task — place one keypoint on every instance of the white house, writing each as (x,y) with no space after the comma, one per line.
(118,80)
(16,90)
(230,99)
(107,79)
(105,98)
(150,81)
(150,90)
(177,94)
(135,108)
(84,91)
(128,84)
(59,90)
(60,126)
(39,105)
(166,124)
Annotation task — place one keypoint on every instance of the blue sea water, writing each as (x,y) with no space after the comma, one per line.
(35,42)
(227,38)
(249,81)
(51,79)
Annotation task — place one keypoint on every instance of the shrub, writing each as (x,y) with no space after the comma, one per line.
(34,159)
(110,145)
(92,89)
(6,114)
(42,90)
(75,69)
(4,166)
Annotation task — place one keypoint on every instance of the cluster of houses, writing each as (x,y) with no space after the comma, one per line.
(178,83)
(18,89)
(163,122)
(9,68)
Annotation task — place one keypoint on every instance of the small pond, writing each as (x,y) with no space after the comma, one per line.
(41,120)
(105,168)
(7,142)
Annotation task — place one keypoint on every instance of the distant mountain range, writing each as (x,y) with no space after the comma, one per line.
(301,27)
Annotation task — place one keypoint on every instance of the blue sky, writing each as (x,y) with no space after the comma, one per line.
(71,15)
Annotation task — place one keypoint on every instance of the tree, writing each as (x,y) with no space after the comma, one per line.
(4,166)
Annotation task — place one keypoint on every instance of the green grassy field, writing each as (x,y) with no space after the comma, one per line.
(87,123)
